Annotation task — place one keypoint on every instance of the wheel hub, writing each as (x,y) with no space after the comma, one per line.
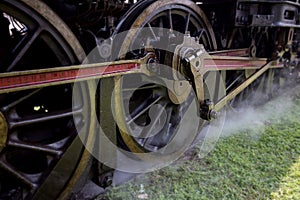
(3,131)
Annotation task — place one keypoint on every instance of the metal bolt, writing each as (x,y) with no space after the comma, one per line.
(213,114)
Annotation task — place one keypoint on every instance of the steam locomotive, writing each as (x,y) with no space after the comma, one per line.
(72,67)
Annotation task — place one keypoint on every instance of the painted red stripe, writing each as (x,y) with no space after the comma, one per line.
(232,64)
(23,80)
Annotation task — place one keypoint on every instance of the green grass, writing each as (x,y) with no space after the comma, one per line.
(255,163)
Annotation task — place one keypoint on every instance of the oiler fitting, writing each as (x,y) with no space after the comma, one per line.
(207,111)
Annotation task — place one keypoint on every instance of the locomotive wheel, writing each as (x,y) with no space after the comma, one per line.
(173,15)
(40,154)
(258,92)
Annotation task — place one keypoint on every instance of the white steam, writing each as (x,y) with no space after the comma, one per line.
(246,117)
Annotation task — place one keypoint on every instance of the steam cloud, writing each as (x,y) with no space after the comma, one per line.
(246,117)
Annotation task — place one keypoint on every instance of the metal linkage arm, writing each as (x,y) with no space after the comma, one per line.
(200,63)
(23,80)
(245,84)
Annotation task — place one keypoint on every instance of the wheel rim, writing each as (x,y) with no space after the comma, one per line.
(40,126)
(162,14)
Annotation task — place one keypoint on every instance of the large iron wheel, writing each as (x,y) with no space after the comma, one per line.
(40,154)
(149,112)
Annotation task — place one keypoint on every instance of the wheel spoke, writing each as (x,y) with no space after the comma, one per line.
(170,19)
(152,31)
(187,22)
(18,101)
(234,82)
(23,46)
(161,27)
(140,110)
(149,87)
(200,33)
(15,124)
(161,137)
(19,175)
(146,132)
(45,149)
